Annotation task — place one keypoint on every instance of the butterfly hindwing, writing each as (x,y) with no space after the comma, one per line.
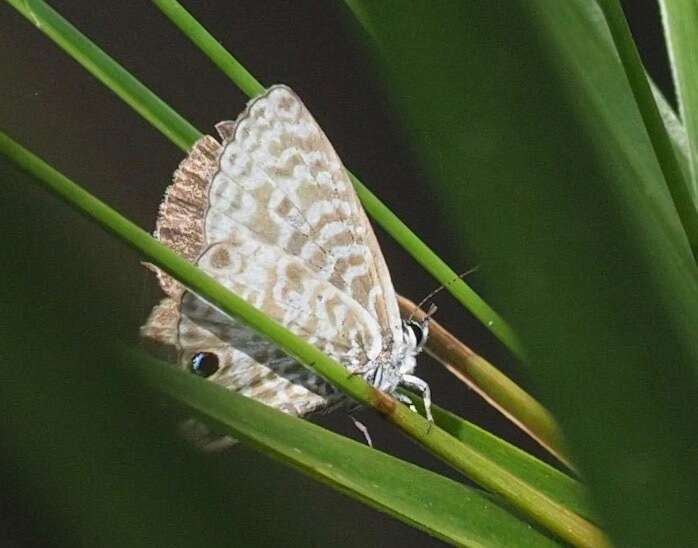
(272,215)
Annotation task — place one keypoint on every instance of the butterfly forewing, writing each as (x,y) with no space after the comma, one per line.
(280,178)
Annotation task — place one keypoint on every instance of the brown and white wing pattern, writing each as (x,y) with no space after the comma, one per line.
(180,222)
(281,181)
(273,217)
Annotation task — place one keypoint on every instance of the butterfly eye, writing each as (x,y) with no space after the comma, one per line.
(204,364)
(417,330)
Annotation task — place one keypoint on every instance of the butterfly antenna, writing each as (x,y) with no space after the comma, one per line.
(432,309)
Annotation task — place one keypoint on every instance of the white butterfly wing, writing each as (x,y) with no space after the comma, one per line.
(281,226)
(281,179)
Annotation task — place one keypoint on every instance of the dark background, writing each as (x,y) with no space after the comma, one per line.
(52,106)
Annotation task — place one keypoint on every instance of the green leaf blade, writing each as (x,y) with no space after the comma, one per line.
(656,129)
(677,134)
(232,68)
(524,118)
(183,134)
(546,479)
(471,462)
(680,18)
(423,499)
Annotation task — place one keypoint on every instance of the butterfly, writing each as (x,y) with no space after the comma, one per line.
(271,214)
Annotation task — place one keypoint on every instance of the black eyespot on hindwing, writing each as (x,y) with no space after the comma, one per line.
(204,364)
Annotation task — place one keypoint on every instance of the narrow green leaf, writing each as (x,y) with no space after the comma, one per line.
(548,480)
(184,135)
(591,61)
(524,119)
(516,491)
(680,18)
(230,66)
(93,451)
(639,84)
(143,97)
(495,387)
(423,499)
(677,134)
(375,208)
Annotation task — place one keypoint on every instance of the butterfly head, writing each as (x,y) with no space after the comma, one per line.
(416,334)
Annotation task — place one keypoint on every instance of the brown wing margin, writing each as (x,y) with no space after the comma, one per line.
(180,220)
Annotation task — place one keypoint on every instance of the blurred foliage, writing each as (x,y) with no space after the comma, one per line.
(680,19)
(89,455)
(475,465)
(348,466)
(541,163)
(537,151)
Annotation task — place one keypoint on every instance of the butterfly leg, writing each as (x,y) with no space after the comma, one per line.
(422,388)
(404,398)
(361,427)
